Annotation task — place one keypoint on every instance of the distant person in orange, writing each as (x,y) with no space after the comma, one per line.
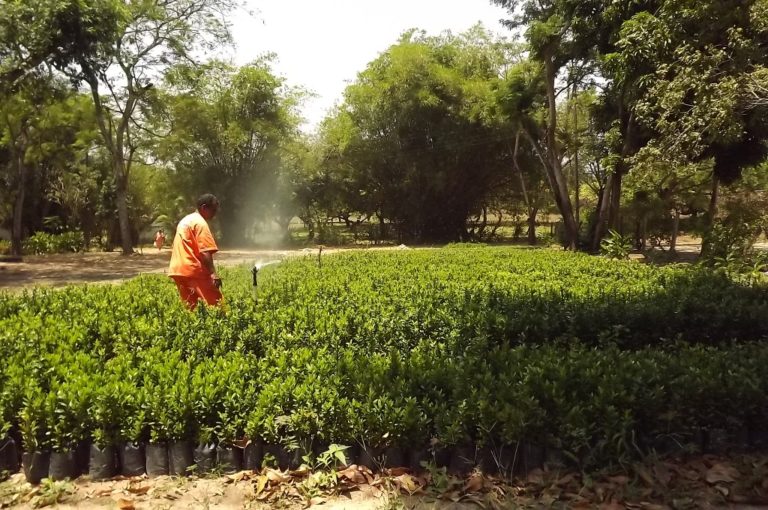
(192,256)
(160,239)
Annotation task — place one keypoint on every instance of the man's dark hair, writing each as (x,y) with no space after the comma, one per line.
(207,200)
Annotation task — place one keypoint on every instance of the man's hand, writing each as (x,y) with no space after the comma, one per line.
(207,259)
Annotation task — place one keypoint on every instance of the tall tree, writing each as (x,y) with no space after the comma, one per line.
(150,37)
(39,127)
(422,138)
(700,65)
(229,128)
(557,32)
(51,32)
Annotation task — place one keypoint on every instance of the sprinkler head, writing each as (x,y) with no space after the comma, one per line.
(255,273)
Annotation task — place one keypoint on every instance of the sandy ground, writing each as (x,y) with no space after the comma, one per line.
(58,270)
(169,493)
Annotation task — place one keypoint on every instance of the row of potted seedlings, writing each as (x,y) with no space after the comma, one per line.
(85,417)
(183,458)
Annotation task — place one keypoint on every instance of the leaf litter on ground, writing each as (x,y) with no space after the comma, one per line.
(675,483)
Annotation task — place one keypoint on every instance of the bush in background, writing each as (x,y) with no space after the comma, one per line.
(42,243)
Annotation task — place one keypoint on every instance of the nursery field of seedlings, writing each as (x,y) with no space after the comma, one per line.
(464,356)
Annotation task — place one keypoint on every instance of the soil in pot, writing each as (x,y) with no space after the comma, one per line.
(180,458)
(102,463)
(531,456)
(296,458)
(352,454)
(394,457)
(487,460)
(83,458)
(230,458)
(442,457)
(253,455)
(35,466)
(9,456)
(63,466)
(320,447)
(418,456)
(278,455)
(462,460)
(157,459)
(370,457)
(505,459)
(131,459)
(204,457)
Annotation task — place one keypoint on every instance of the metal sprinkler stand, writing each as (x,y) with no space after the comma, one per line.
(255,273)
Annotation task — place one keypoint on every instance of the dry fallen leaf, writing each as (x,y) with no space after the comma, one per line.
(125,504)
(644,475)
(241,443)
(300,473)
(475,483)
(141,490)
(240,476)
(314,501)
(353,475)
(408,483)
(662,474)
(722,473)
(536,477)
(619,480)
(261,483)
(277,476)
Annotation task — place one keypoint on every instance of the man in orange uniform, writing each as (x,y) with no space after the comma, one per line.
(192,256)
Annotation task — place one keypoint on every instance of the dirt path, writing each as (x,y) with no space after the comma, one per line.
(164,492)
(59,270)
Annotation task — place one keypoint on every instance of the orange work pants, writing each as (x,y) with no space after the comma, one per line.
(192,290)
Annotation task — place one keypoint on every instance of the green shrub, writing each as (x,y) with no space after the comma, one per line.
(616,246)
(601,359)
(42,243)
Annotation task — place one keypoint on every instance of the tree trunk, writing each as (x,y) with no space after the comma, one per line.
(607,216)
(114,137)
(614,216)
(121,201)
(560,192)
(483,224)
(18,206)
(593,224)
(675,231)
(499,220)
(713,201)
(712,212)
(577,179)
(382,228)
(532,225)
(562,197)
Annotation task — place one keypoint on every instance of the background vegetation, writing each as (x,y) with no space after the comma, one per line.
(597,361)
(644,117)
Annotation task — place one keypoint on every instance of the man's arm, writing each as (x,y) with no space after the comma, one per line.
(206,257)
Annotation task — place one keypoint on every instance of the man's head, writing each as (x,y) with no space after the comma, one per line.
(207,206)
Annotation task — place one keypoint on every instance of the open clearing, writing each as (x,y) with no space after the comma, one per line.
(700,482)
(105,267)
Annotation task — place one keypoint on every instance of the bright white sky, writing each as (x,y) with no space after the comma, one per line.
(322,44)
